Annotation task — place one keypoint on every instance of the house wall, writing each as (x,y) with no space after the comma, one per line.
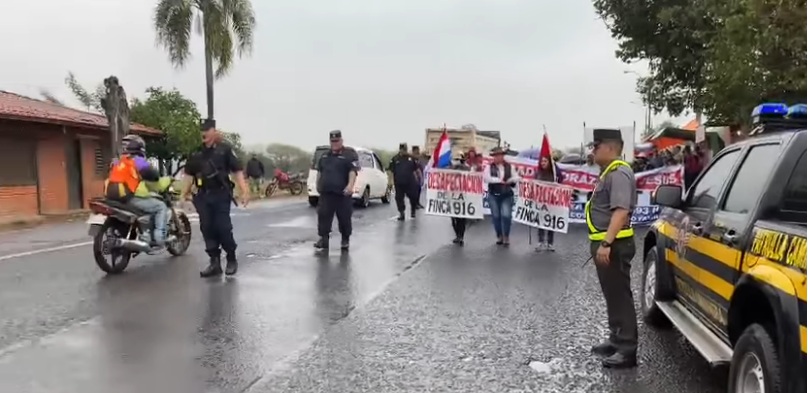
(50,193)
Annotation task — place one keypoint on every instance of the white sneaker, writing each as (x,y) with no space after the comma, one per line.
(550,247)
(541,247)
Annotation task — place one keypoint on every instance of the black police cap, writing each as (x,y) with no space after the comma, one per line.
(336,134)
(207,124)
(606,134)
(402,146)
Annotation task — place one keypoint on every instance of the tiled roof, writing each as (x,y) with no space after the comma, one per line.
(16,107)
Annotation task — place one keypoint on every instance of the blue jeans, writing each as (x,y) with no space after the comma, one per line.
(159,213)
(501,211)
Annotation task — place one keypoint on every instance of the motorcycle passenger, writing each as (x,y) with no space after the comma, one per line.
(127,183)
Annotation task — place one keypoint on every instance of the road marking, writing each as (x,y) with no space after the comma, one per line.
(45,250)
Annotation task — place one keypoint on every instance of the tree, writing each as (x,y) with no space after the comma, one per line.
(720,58)
(288,158)
(234,139)
(175,115)
(385,155)
(89,99)
(226,26)
(757,55)
(49,97)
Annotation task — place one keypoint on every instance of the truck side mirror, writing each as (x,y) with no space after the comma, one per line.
(668,196)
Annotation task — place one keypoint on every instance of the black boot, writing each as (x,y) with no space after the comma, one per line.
(412,213)
(345,244)
(322,244)
(401,216)
(604,349)
(620,360)
(232,266)
(214,268)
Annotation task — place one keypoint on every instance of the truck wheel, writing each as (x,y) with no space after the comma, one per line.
(755,364)
(313,201)
(655,286)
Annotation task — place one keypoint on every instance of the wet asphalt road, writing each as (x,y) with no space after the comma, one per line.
(382,318)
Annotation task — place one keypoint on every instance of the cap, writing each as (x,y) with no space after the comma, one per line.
(402,146)
(606,134)
(336,134)
(415,147)
(497,151)
(206,124)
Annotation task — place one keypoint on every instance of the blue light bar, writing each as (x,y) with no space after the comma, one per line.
(798,111)
(770,110)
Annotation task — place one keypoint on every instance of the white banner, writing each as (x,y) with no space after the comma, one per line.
(583,178)
(453,193)
(543,205)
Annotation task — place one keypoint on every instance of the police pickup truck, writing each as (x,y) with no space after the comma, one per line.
(725,261)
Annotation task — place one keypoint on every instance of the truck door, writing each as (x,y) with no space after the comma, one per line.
(696,285)
(719,252)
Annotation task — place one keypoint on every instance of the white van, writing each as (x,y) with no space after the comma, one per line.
(371,181)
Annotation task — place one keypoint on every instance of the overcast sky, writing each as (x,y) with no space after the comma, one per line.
(381,71)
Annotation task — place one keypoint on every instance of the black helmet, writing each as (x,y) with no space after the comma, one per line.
(133,144)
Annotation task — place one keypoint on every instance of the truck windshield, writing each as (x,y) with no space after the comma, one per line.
(318,153)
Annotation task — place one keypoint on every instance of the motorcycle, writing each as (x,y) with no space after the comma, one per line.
(116,229)
(295,185)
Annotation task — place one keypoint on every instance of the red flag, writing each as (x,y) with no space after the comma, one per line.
(546,151)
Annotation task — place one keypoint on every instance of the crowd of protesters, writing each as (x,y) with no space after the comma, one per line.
(693,157)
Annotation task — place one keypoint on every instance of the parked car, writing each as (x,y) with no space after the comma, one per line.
(371,181)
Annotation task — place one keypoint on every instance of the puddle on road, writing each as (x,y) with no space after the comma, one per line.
(298,222)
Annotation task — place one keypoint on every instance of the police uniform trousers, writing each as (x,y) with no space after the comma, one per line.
(334,204)
(615,282)
(213,207)
(409,191)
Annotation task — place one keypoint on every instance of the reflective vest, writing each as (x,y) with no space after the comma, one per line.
(594,234)
(123,180)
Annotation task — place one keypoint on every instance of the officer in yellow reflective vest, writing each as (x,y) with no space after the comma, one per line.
(611,238)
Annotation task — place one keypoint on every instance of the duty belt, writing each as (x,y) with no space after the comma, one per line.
(594,233)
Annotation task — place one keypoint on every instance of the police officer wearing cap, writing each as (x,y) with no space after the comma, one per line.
(608,217)
(406,178)
(336,176)
(209,169)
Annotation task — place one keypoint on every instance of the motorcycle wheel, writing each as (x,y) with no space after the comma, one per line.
(182,230)
(296,188)
(108,259)
(270,190)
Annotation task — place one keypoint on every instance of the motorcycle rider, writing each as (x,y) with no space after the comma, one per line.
(128,183)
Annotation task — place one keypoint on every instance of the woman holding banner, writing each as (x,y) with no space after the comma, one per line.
(501,179)
(547,172)
(459,224)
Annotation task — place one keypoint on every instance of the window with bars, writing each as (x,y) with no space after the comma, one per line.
(102,161)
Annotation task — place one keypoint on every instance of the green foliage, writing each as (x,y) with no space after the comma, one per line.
(175,115)
(722,58)
(385,155)
(90,99)
(288,158)
(226,25)
(234,139)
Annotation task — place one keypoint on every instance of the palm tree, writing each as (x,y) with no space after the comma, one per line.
(226,25)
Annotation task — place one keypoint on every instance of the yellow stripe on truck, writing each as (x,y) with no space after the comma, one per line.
(709,280)
(802,338)
(715,250)
(782,277)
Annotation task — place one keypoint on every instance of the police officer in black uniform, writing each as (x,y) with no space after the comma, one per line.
(209,169)
(336,176)
(406,178)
